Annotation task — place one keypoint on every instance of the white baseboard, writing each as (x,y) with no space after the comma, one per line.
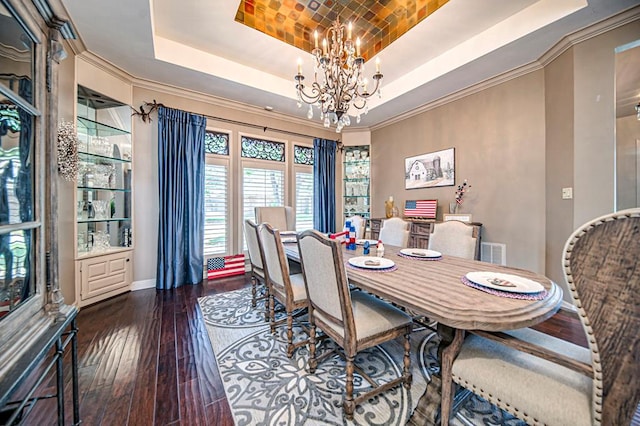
(143,284)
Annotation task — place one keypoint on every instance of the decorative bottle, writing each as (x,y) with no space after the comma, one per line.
(352,238)
(380,249)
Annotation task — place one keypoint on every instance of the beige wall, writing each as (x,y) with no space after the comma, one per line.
(594,112)
(498,136)
(627,162)
(559,162)
(66,208)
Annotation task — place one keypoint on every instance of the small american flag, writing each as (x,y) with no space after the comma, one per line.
(220,267)
(421,208)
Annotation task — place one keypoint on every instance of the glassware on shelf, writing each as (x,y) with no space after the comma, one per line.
(80,209)
(82,242)
(101,146)
(100,207)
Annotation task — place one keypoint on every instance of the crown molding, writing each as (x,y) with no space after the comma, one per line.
(546,58)
(14,54)
(470,90)
(222,102)
(589,32)
(106,66)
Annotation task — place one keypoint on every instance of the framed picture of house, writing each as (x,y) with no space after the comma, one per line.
(430,170)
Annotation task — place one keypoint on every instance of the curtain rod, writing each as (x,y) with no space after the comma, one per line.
(145,115)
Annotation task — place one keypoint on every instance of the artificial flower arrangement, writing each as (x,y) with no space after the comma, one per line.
(67,150)
(462,188)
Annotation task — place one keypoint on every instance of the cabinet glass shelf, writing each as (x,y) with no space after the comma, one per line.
(111,219)
(94,128)
(365,179)
(97,158)
(355,196)
(96,188)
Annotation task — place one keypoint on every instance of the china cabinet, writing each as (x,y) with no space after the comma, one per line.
(37,327)
(356,181)
(103,197)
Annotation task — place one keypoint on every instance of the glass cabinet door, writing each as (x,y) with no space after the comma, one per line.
(356,181)
(103,195)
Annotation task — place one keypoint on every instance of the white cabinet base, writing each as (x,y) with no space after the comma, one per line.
(101,277)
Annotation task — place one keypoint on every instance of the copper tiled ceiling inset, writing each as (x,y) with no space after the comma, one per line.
(377,23)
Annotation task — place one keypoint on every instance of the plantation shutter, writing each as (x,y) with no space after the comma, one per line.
(261,187)
(216,209)
(304,201)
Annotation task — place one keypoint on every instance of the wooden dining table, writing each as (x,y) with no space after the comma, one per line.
(434,288)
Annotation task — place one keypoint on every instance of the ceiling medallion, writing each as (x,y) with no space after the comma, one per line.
(338,85)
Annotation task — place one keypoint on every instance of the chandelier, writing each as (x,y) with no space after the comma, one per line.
(338,82)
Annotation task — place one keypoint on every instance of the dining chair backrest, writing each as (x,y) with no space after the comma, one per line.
(395,232)
(454,238)
(360,224)
(281,218)
(326,280)
(253,244)
(275,260)
(603,274)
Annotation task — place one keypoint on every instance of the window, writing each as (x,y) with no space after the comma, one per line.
(303,160)
(216,209)
(304,201)
(216,194)
(261,187)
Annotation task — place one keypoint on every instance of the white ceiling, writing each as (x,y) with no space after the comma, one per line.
(197,45)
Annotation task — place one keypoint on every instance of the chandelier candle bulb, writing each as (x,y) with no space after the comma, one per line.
(358,47)
(315,36)
(324,46)
(299,66)
(377,65)
(349,32)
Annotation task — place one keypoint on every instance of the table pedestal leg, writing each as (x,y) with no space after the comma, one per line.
(427,411)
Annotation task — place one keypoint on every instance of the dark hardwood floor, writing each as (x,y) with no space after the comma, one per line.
(145,359)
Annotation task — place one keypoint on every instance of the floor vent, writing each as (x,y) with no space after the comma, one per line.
(493,253)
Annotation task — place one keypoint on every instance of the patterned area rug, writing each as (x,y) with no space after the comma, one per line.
(264,387)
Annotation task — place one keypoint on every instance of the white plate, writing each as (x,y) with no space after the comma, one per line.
(287,239)
(505,282)
(371,262)
(416,252)
(371,242)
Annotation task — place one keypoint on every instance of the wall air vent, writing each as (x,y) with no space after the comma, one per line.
(493,253)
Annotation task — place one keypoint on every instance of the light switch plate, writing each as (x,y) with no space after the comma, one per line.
(567,193)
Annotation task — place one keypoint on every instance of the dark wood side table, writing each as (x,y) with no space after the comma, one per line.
(420,231)
(60,335)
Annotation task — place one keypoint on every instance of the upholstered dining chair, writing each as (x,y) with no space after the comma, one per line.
(257,265)
(353,320)
(282,218)
(395,232)
(360,224)
(549,381)
(454,238)
(287,289)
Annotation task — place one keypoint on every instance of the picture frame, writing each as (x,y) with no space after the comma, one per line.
(430,170)
(462,217)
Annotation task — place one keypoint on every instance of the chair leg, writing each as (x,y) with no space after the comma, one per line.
(349,405)
(272,314)
(290,346)
(267,314)
(408,378)
(254,284)
(449,354)
(313,362)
